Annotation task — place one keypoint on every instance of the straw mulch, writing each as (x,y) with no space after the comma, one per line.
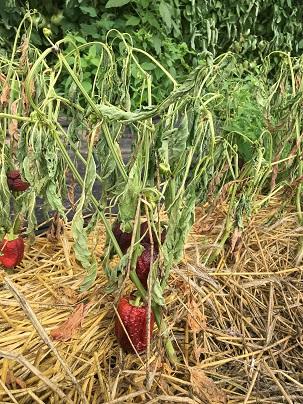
(236,324)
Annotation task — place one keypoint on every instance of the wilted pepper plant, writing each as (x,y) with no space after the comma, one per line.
(177,156)
(160,179)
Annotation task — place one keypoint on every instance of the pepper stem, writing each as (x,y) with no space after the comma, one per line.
(136,301)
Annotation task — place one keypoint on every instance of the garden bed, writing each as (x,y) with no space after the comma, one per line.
(236,326)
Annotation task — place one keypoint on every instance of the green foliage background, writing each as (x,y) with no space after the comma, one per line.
(176,32)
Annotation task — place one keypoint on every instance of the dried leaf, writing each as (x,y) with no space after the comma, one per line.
(25,100)
(198,351)
(236,239)
(24,50)
(66,330)
(205,388)
(67,295)
(196,319)
(71,187)
(5,94)
(11,379)
(56,229)
(13,127)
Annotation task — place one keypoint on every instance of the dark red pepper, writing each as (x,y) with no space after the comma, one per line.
(143,263)
(11,252)
(124,239)
(15,182)
(134,320)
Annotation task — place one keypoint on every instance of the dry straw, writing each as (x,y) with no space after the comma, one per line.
(237,325)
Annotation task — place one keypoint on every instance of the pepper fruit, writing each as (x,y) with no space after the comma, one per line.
(11,251)
(124,238)
(134,320)
(15,182)
(143,263)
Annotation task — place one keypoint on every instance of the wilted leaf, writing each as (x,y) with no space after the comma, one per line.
(205,388)
(129,200)
(13,127)
(67,295)
(5,94)
(55,229)
(196,319)
(25,100)
(236,239)
(158,293)
(24,50)
(66,330)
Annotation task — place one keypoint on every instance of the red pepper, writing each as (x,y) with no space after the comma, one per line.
(15,182)
(11,252)
(143,263)
(134,320)
(124,239)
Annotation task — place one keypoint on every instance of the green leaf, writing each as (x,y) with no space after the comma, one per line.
(28,210)
(80,237)
(54,199)
(165,14)
(148,66)
(129,199)
(91,11)
(133,21)
(79,39)
(87,85)
(157,43)
(90,29)
(90,276)
(116,3)
(157,293)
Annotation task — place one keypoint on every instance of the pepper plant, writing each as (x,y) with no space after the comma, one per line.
(217,132)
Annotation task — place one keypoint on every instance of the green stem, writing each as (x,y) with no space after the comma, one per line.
(81,182)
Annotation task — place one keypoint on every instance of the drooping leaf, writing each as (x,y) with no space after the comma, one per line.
(129,199)
(157,293)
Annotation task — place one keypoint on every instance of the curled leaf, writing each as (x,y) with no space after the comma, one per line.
(5,94)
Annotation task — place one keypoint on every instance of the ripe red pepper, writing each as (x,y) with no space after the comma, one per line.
(124,239)
(15,182)
(11,252)
(134,320)
(143,263)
